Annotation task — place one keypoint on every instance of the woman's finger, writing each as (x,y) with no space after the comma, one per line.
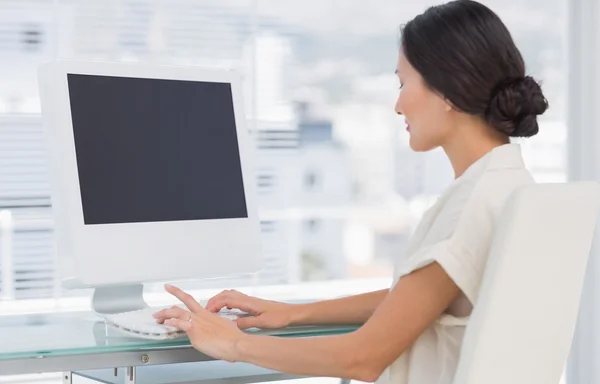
(184,325)
(236,301)
(210,303)
(185,298)
(221,302)
(174,312)
(248,322)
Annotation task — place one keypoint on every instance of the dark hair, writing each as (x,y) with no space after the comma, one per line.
(464,52)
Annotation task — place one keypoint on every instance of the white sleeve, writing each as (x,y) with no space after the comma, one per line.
(455,261)
(464,255)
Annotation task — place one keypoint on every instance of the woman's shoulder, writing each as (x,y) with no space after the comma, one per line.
(484,205)
(476,198)
(491,179)
(494,187)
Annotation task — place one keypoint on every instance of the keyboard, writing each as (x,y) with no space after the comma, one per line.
(142,324)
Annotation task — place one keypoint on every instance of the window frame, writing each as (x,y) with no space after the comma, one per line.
(583,141)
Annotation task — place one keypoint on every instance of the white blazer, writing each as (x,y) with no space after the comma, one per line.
(457,232)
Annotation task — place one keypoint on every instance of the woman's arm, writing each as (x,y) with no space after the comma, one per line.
(272,314)
(411,306)
(416,301)
(355,309)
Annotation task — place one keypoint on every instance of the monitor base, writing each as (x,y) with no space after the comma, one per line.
(118,299)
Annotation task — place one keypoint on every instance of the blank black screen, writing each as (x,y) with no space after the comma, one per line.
(155,150)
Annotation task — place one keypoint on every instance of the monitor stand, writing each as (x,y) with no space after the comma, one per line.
(118,299)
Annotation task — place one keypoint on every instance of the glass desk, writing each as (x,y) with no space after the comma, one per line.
(80,344)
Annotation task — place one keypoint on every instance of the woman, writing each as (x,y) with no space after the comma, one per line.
(463,88)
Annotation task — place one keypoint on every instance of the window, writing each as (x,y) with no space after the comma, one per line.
(32,38)
(265,182)
(312,226)
(310,180)
(135,27)
(319,89)
(267,226)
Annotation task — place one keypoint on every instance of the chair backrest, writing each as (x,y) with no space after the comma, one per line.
(523,323)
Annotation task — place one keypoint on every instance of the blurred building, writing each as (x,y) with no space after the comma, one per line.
(300,167)
(335,188)
(307,192)
(421,174)
(26,247)
(26,39)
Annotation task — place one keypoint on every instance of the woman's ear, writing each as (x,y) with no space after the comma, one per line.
(447,105)
(444,102)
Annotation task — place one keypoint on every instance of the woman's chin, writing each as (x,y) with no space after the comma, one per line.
(415,145)
(419,146)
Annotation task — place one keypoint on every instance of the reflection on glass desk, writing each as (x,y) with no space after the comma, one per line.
(213,372)
(82,341)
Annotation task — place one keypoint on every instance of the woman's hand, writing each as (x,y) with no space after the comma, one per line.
(208,333)
(265,314)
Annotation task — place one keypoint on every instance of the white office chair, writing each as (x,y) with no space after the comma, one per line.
(522,326)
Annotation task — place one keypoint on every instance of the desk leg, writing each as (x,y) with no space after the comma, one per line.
(67,378)
(130,376)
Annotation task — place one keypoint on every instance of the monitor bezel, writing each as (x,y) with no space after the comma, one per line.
(127,253)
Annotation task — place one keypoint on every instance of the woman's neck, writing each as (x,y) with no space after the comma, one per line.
(464,151)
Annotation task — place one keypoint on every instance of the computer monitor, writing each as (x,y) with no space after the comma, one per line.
(152,175)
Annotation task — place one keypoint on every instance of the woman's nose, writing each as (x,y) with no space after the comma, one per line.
(397,108)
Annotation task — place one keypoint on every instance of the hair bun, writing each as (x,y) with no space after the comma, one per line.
(515,105)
